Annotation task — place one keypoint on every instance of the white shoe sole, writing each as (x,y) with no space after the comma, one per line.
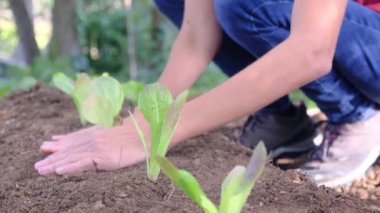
(355,174)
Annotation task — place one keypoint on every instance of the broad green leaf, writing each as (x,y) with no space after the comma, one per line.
(229,201)
(110,89)
(187,183)
(170,122)
(64,83)
(153,103)
(96,110)
(132,90)
(81,91)
(254,169)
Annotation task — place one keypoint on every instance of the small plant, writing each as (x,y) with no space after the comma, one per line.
(236,187)
(78,90)
(98,101)
(104,102)
(132,90)
(162,113)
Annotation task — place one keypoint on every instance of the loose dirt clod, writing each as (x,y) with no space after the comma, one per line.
(27,119)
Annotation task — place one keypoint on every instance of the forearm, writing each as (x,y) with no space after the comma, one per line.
(280,71)
(188,59)
(183,67)
(197,42)
(306,55)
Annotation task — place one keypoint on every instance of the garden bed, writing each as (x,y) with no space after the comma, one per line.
(26,119)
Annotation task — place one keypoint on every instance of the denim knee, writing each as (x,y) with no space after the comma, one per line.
(257,25)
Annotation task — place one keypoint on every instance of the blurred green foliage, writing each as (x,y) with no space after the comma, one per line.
(103,31)
(104,41)
(22,78)
(8,36)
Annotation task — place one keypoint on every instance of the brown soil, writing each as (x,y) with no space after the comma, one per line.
(28,118)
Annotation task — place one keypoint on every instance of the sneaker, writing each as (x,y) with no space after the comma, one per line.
(346,153)
(282,134)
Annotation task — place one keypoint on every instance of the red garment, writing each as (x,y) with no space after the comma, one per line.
(373,4)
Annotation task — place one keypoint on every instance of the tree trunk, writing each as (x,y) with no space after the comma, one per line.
(131,41)
(25,28)
(64,41)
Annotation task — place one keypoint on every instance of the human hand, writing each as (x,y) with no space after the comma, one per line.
(93,148)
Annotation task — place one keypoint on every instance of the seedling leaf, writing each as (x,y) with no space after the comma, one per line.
(187,182)
(142,138)
(81,91)
(64,83)
(254,168)
(238,184)
(229,201)
(153,102)
(170,122)
(111,90)
(95,110)
(132,90)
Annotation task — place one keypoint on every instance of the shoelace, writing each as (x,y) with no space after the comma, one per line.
(329,137)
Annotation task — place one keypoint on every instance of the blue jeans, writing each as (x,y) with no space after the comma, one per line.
(253,27)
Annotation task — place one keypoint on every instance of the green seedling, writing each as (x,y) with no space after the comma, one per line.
(98,101)
(132,90)
(78,90)
(104,102)
(162,113)
(236,187)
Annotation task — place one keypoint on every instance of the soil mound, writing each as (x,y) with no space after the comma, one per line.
(28,118)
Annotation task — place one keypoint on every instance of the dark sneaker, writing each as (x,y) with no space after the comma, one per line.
(281,134)
(346,153)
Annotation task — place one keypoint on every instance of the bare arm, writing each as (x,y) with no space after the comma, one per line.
(306,55)
(194,47)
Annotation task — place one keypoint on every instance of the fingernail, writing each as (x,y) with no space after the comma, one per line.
(59,171)
(42,171)
(45,145)
(37,165)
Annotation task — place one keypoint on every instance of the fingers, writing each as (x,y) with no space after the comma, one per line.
(50,147)
(65,142)
(50,160)
(62,163)
(60,142)
(78,166)
(50,168)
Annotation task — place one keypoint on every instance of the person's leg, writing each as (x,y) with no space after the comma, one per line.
(275,123)
(358,55)
(260,25)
